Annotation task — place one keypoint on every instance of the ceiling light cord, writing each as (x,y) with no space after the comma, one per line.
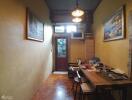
(77,13)
(77,3)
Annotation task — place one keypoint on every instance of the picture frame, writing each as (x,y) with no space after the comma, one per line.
(35,28)
(114,27)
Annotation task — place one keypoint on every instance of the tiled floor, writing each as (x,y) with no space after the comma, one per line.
(56,87)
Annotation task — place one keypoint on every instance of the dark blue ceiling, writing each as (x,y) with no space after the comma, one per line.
(60,10)
(70,4)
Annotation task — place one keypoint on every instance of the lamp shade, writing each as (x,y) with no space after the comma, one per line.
(76,20)
(77,12)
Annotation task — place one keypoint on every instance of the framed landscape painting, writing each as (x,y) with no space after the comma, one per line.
(114,27)
(35,28)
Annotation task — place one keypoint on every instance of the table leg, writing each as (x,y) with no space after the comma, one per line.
(124,93)
(97,94)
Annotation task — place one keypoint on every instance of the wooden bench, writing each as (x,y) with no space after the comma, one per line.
(85,90)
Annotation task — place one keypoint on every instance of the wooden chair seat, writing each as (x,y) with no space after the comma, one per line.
(76,79)
(83,80)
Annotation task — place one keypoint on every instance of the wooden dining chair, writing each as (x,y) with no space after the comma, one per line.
(73,67)
(77,83)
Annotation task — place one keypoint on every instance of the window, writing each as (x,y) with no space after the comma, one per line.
(71,28)
(61,46)
(65,29)
(59,29)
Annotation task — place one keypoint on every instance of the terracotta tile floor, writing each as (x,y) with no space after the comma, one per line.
(56,87)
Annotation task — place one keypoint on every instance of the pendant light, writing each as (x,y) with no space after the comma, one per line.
(77,12)
(76,20)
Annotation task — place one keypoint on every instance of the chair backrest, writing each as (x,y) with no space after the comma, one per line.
(79,61)
(78,75)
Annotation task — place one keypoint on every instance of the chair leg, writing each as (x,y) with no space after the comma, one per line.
(80,94)
(75,91)
(72,86)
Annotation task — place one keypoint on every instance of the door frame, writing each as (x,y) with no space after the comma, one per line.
(55,54)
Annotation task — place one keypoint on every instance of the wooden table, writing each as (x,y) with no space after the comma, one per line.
(100,81)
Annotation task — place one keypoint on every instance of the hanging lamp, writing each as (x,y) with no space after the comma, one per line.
(76,20)
(77,12)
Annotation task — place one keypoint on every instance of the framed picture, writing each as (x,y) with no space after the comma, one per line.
(35,28)
(114,27)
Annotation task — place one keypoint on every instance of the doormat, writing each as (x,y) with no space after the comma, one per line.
(60,72)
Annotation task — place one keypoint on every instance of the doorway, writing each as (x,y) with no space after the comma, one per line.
(61,53)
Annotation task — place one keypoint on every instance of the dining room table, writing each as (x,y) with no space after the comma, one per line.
(101,80)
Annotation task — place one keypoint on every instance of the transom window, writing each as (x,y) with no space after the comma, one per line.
(65,28)
(71,28)
(59,29)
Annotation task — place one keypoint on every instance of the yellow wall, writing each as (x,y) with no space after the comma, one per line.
(83,49)
(23,63)
(89,48)
(76,50)
(112,53)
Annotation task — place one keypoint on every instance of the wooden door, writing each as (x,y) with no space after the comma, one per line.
(61,53)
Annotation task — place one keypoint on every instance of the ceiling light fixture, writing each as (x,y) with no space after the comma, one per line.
(76,20)
(77,12)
